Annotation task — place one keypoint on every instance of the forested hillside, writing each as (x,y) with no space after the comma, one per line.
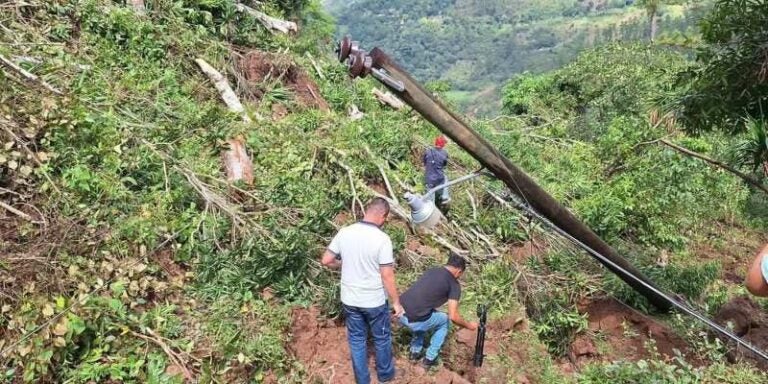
(476,45)
(171,172)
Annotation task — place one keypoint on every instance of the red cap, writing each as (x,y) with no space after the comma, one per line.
(440,141)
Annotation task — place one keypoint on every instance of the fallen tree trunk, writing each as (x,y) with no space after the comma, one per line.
(225,90)
(272,23)
(749,179)
(237,163)
(387,98)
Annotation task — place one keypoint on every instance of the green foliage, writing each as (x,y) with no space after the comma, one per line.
(729,80)
(476,45)
(690,281)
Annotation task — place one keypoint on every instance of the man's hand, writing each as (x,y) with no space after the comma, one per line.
(473,325)
(399,310)
(330,260)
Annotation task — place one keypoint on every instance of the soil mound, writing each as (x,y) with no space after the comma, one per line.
(261,67)
(749,322)
(618,332)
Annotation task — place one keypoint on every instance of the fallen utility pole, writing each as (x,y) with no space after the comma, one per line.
(385,70)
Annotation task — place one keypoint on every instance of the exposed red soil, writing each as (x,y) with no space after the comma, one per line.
(259,67)
(618,332)
(749,322)
(521,252)
(321,345)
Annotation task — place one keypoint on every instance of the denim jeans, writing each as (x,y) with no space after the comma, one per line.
(358,321)
(438,322)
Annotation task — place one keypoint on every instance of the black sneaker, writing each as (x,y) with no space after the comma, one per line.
(414,356)
(427,363)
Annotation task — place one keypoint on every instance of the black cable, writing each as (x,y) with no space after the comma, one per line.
(711,324)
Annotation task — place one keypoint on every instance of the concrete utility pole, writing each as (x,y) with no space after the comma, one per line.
(399,82)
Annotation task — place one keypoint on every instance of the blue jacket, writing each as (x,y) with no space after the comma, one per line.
(435,161)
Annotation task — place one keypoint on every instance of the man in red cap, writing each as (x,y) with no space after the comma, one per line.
(435,161)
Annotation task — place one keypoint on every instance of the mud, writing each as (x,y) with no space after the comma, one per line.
(321,346)
(749,322)
(618,332)
(260,67)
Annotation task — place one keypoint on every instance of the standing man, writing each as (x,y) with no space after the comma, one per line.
(435,160)
(431,291)
(364,253)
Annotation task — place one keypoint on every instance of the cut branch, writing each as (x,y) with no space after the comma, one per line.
(270,22)
(387,98)
(4,62)
(749,179)
(19,213)
(222,85)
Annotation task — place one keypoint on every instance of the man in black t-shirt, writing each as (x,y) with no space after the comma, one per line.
(431,291)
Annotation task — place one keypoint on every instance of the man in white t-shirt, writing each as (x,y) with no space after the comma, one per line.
(364,253)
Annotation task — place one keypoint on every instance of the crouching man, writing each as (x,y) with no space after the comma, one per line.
(431,291)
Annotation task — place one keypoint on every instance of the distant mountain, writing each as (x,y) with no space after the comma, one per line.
(478,45)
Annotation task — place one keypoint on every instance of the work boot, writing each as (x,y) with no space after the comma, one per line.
(414,356)
(429,364)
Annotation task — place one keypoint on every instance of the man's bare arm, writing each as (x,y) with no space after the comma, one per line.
(755,281)
(388,278)
(329,260)
(455,316)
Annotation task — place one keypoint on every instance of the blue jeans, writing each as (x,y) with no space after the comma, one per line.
(358,321)
(438,322)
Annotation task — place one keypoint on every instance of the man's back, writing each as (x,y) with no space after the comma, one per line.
(363,248)
(435,160)
(433,289)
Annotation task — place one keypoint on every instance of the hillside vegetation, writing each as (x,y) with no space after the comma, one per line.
(476,45)
(128,257)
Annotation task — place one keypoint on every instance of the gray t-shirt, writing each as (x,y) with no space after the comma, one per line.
(362,248)
(435,160)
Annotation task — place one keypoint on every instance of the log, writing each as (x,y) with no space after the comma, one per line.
(387,98)
(225,90)
(272,23)
(237,163)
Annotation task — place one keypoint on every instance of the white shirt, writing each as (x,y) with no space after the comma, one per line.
(362,248)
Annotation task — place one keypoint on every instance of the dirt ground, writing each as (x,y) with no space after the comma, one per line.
(749,322)
(618,332)
(259,68)
(321,345)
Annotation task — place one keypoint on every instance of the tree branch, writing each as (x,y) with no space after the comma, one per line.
(749,179)
(4,62)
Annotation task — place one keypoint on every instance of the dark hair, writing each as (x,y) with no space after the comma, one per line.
(456,261)
(378,204)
